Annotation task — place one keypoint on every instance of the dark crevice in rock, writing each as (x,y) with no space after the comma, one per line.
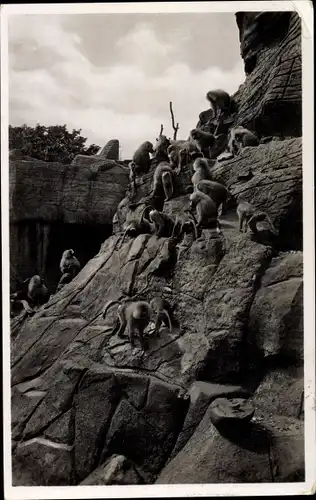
(80,288)
(74,236)
(281,360)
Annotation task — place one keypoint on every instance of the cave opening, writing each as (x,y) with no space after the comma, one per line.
(84,239)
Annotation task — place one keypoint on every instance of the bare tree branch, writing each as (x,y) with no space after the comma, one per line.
(175,127)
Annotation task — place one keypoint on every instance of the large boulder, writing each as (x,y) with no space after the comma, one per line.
(111,150)
(276,315)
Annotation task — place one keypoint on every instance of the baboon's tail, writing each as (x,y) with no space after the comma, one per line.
(27,307)
(169,320)
(108,305)
(272,225)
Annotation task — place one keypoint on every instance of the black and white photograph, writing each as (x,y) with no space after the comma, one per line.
(157,185)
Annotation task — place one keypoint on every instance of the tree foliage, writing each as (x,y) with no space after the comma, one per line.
(54,143)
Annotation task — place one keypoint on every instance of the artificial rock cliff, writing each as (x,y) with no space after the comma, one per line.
(55,206)
(88,408)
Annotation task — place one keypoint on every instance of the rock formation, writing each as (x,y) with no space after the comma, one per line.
(88,408)
(55,206)
(111,150)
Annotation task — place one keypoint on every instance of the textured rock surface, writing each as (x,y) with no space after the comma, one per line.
(54,207)
(118,470)
(201,395)
(281,392)
(276,315)
(103,412)
(40,461)
(213,310)
(111,150)
(270,100)
(52,191)
(268,449)
(276,185)
(210,457)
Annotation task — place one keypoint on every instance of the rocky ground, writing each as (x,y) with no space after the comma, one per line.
(88,408)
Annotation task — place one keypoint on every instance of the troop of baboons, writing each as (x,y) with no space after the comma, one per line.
(202,148)
(207,197)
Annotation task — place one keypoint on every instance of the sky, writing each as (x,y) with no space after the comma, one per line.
(113,75)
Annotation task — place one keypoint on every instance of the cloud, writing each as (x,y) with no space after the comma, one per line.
(146,51)
(53,81)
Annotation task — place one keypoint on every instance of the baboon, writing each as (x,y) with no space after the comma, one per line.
(33,293)
(37,292)
(216,191)
(141,157)
(202,171)
(160,149)
(173,157)
(164,225)
(184,226)
(163,178)
(206,209)
(206,115)
(239,138)
(138,226)
(180,153)
(248,216)
(69,263)
(258,217)
(167,185)
(220,102)
(188,153)
(14,301)
(135,315)
(27,307)
(160,306)
(204,141)
(206,121)
(132,178)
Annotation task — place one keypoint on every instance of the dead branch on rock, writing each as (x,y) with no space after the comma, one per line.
(175,127)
